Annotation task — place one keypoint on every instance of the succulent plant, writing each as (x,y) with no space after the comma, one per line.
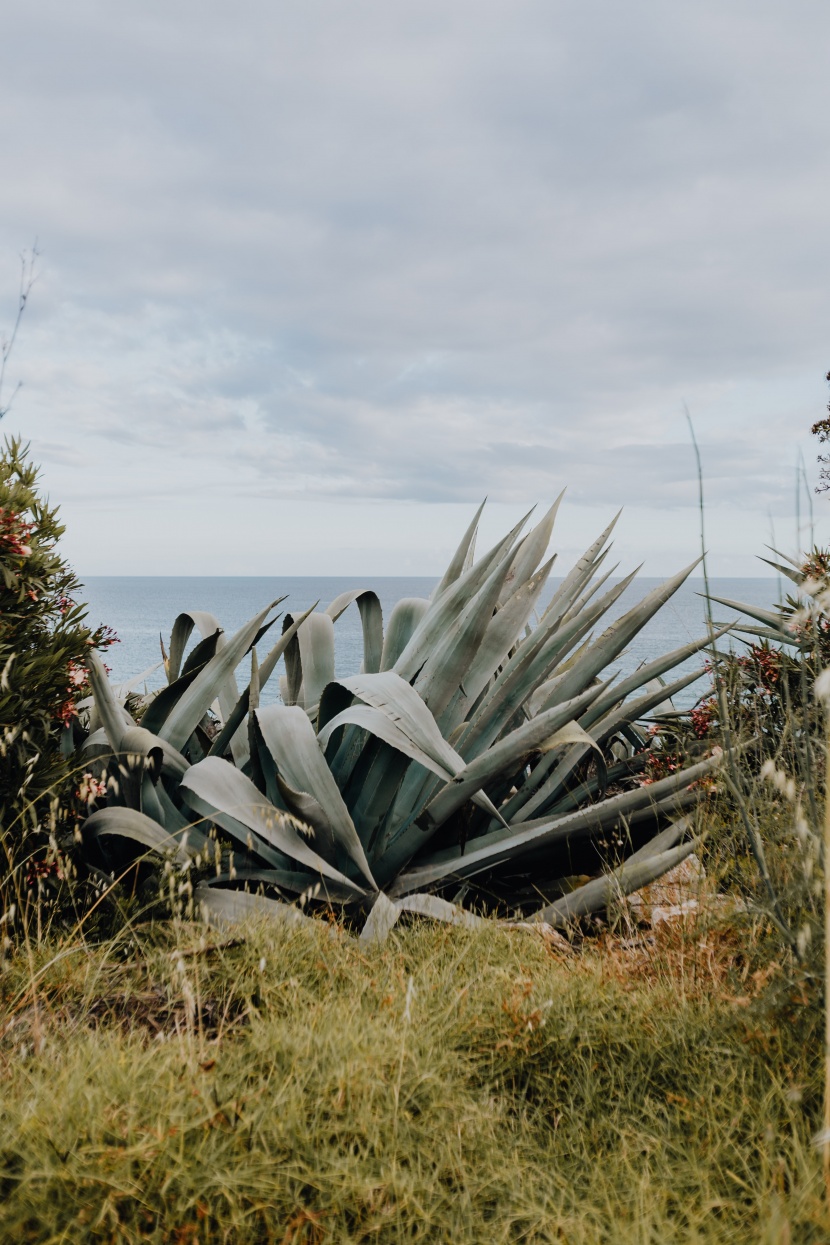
(483,750)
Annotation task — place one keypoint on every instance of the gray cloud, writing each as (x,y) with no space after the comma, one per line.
(422,251)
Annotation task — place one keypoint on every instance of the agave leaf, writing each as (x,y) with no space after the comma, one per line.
(458,561)
(549,730)
(114,717)
(316,641)
(250,840)
(502,633)
(767,633)
(254,686)
(797,576)
(380,921)
(440,910)
(632,876)
(149,802)
(658,700)
(304,884)
(220,906)
(308,810)
(547,648)
(501,845)
(291,681)
(652,670)
(529,667)
(290,738)
(128,823)
(590,592)
(371,619)
(226,694)
(290,628)
(140,741)
(206,624)
(471,553)
(402,705)
(122,690)
(237,715)
(543,786)
(621,632)
(175,822)
(404,708)
(545,695)
(570,733)
(530,552)
(202,653)
(786,557)
(578,576)
(217,790)
(444,669)
(377,723)
(97,745)
(447,606)
(569,631)
(662,841)
(767,617)
(405,618)
(196,699)
(159,708)
(385,913)
(372,792)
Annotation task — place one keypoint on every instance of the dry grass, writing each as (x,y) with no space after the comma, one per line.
(463,1086)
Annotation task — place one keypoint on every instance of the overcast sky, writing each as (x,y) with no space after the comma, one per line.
(316,277)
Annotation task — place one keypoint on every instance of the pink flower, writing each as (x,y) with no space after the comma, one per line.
(91,789)
(77,675)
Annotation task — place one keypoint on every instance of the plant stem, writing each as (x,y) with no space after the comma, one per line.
(733,774)
(826,1132)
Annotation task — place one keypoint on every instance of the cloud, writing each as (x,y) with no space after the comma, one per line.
(420,251)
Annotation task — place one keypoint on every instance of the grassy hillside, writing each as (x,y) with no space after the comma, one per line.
(454,1085)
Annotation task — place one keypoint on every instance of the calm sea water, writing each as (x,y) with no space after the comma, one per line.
(141,609)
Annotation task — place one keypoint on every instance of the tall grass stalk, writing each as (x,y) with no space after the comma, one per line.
(733,773)
(825,1133)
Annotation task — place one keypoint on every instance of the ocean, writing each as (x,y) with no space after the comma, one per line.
(142,609)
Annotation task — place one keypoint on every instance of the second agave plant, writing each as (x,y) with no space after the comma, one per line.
(485,754)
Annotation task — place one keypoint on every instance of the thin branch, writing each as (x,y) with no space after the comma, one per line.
(28,276)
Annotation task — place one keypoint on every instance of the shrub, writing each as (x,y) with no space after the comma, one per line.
(766,685)
(44,644)
(763,703)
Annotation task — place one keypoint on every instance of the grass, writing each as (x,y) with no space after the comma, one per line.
(454,1085)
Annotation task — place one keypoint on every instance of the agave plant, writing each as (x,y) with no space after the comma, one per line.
(485,749)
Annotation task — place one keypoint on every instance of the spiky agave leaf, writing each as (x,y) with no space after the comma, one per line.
(473,741)
(129,823)
(220,793)
(215,675)
(501,845)
(371,620)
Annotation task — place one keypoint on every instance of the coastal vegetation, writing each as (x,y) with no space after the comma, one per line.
(485,751)
(44,647)
(282,1084)
(227,1009)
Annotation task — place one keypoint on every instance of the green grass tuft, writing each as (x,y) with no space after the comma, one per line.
(464,1086)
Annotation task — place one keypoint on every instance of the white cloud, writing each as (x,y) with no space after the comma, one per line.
(343,254)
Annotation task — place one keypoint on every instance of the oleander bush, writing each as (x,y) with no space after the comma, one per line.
(486,750)
(44,646)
